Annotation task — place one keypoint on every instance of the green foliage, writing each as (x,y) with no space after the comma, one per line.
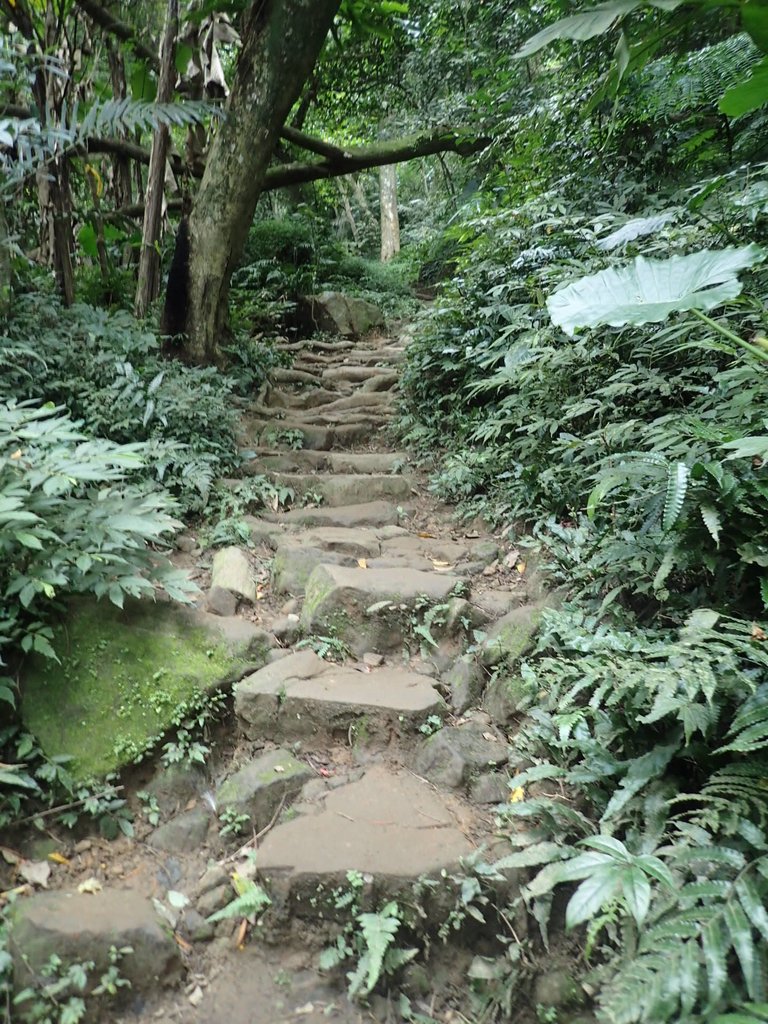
(650,729)
(647,291)
(251,900)
(65,993)
(72,523)
(107,370)
(369,941)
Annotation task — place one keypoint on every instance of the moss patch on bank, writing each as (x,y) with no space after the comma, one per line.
(122,679)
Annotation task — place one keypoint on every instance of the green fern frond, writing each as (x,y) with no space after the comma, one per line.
(677,487)
(712,522)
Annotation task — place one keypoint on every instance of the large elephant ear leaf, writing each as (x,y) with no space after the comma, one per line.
(647,291)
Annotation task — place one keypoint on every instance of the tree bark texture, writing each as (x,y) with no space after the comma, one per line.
(281,40)
(390,221)
(148,286)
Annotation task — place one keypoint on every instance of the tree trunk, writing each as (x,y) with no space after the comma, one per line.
(346,206)
(390,222)
(281,40)
(148,286)
(121,165)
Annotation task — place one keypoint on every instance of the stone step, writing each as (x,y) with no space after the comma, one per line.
(389,825)
(309,398)
(373,609)
(289,376)
(261,431)
(303,696)
(353,374)
(297,554)
(368,513)
(335,489)
(268,459)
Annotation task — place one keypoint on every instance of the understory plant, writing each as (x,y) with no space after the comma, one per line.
(646,761)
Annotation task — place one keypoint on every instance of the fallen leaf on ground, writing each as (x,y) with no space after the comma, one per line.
(58,858)
(242,932)
(520,567)
(196,996)
(517,795)
(37,872)
(362,563)
(90,885)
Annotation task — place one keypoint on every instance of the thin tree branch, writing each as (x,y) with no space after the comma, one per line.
(106,20)
(311,144)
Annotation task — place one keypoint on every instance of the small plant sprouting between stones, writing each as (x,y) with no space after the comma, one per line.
(233,823)
(367,940)
(431,725)
(58,994)
(331,648)
(251,901)
(149,807)
(285,438)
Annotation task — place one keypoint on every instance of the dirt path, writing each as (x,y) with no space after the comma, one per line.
(383,762)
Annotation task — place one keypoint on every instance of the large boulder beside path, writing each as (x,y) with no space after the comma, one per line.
(340,314)
(80,927)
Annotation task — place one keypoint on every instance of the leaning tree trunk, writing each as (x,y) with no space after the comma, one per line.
(148,285)
(281,40)
(390,222)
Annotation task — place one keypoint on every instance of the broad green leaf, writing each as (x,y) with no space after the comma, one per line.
(537,853)
(647,291)
(749,95)
(87,239)
(636,228)
(594,893)
(754,18)
(585,25)
(636,890)
(610,846)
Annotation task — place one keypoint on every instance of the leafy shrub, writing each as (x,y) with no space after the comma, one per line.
(107,370)
(664,738)
(71,523)
(289,240)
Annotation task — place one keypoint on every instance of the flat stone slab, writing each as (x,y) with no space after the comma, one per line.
(387,824)
(370,609)
(79,927)
(335,489)
(336,462)
(357,543)
(293,564)
(303,695)
(368,513)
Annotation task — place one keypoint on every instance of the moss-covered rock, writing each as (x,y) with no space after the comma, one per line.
(512,635)
(125,674)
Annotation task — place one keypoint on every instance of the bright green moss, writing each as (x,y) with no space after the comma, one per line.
(122,678)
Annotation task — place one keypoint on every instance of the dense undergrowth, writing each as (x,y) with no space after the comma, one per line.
(632,461)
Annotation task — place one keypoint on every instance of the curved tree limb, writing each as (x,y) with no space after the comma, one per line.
(121,29)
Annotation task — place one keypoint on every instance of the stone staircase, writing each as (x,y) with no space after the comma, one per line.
(384,757)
